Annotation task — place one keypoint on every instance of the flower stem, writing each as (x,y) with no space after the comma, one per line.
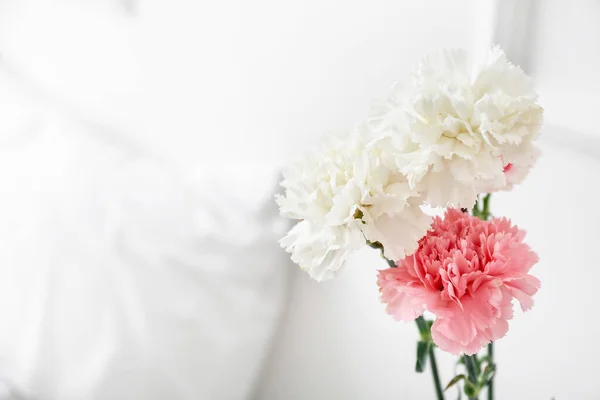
(379,246)
(434,372)
(425,333)
(486,206)
(471,370)
(490,390)
(423,328)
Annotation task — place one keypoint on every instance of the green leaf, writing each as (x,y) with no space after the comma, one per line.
(488,374)
(470,389)
(422,352)
(455,380)
(485,359)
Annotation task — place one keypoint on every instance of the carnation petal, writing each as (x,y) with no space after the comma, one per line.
(398,233)
(399,304)
(346,190)
(321,250)
(522,290)
(467,272)
(466,121)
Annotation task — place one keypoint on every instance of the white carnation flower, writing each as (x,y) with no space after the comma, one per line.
(462,129)
(345,195)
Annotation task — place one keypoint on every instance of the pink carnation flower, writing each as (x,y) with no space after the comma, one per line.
(467,272)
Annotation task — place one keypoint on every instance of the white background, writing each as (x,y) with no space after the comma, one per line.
(237,84)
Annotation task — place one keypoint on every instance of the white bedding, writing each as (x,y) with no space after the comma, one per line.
(123,276)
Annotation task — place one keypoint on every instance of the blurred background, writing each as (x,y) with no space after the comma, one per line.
(140,146)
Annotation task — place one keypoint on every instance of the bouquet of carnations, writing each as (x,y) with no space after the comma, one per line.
(456,132)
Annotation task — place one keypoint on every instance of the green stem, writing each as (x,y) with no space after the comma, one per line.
(482,212)
(379,246)
(485,214)
(426,335)
(490,390)
(471,370)
(423,328)
(436,376)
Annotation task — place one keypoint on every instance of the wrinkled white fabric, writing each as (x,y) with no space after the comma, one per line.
(124,277)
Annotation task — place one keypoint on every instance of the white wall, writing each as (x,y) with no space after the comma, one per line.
(269,76)
(566,60)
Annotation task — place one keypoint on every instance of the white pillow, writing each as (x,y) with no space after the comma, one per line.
(123,277)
